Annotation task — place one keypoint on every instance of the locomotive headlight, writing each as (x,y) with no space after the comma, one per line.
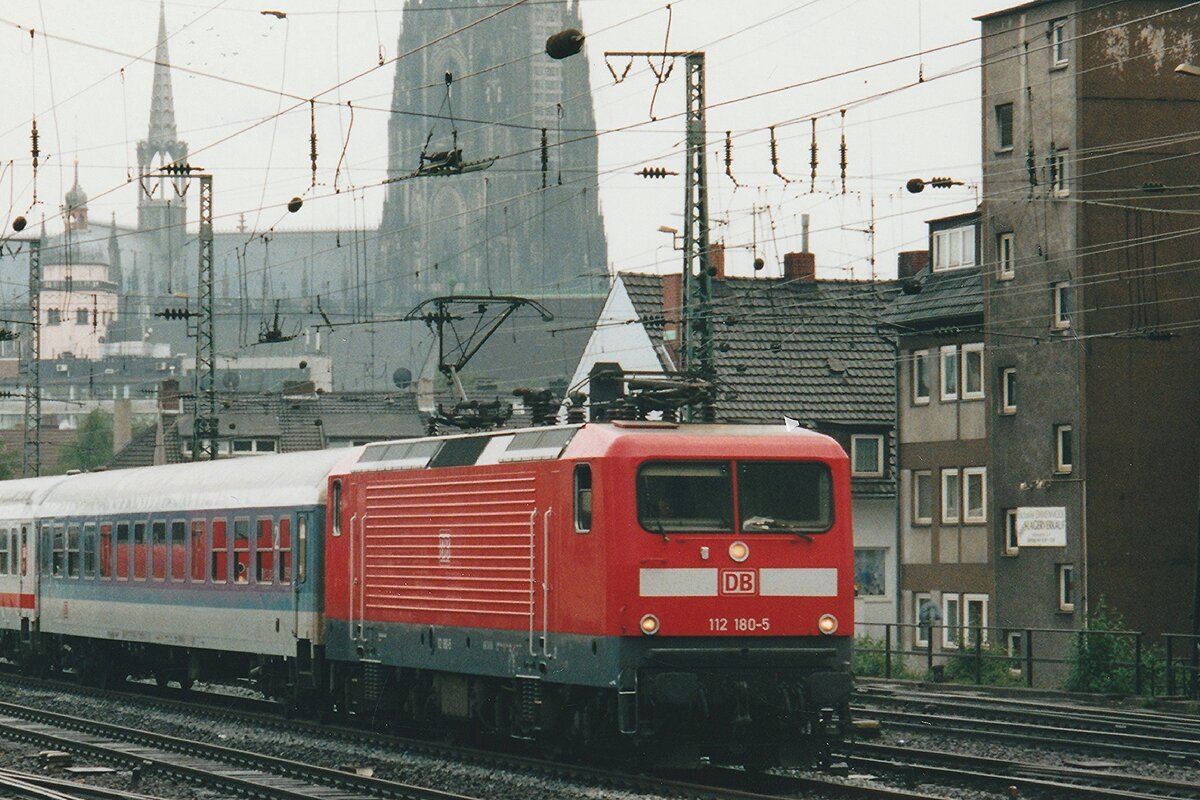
(739,551)
(649,624)
(827,624)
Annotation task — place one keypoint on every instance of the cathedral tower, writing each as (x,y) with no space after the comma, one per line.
(162,207)
(519,227)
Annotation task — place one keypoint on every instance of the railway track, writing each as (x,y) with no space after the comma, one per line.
(1172,738)
(212,766)
(998,775)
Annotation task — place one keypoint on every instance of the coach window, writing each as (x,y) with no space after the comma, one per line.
(73,551)
(583,498)
(198,550)
(794,496)
(337,508)
(123,551)
(5,563)
(141,551)
(158,549)
(24,550)
(106,552)
(178,549)
(263,550)
(685,496)
(301,547)
(285,550)
(241,550)
(220,552)
(89,550)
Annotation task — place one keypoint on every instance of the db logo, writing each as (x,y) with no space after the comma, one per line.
(737,581)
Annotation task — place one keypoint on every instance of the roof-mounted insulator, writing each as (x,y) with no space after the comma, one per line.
(655,172)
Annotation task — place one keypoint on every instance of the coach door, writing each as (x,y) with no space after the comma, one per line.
(26,566)
(546,518)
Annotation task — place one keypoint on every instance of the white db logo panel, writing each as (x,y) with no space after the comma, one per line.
(738,581)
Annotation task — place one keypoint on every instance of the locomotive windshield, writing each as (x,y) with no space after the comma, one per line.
(793,496)
(773,496)
(685,496)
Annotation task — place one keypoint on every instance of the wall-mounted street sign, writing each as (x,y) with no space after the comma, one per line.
(1042,526)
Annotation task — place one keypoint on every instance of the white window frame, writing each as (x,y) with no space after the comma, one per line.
(919,599)
(946,242)
(951,623)
(964,358)
(917,475)
(1058,43)
(948,353)
(1008,390)
(1014,646)
(969,474)
(1006,256)
(950,482)
(1062,305)
(1011,547)
(1058,173)
(1064,463)
(1001,147)
(855,439)
(1065,574)
(921,360)
(967,638)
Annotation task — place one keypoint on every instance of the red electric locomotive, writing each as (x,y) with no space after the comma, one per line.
(686,590)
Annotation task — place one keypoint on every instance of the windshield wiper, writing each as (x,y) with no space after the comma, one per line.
(658,524)
(772,524)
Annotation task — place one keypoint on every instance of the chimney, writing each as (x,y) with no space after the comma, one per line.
(800,267)
(168,396)
(716,260)
(910,262)
(672,307)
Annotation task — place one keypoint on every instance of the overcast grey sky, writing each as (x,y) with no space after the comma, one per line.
(88,82)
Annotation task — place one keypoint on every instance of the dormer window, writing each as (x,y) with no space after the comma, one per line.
(954,248)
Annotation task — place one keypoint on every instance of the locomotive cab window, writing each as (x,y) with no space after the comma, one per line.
(788,496)
(583,498)
(685,496)
(336,502)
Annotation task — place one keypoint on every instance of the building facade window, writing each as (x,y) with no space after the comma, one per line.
(1063,461)
(972,371)
(950,496)
(949,359)
(1058,42)
(866,455)
(1004,126)
(974,494)
(926,614)
(81,316)
(1006,258)
(1011,547)
(870,578)
(1057,167)
(1066,587)
(922,498)
(975,619)
(951,620)
(53,316)
(1061,298)
(1008,390)
(920,376)
(954,248)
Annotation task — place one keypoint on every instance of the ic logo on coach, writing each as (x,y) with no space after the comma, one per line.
(738,581)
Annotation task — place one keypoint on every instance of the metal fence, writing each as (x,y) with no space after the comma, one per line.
(1043,657)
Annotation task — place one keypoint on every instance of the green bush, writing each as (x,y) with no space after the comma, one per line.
(870,661)
(1101,660)
(996,667)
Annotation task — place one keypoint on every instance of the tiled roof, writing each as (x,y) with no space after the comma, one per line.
(933,299)
(814,351)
